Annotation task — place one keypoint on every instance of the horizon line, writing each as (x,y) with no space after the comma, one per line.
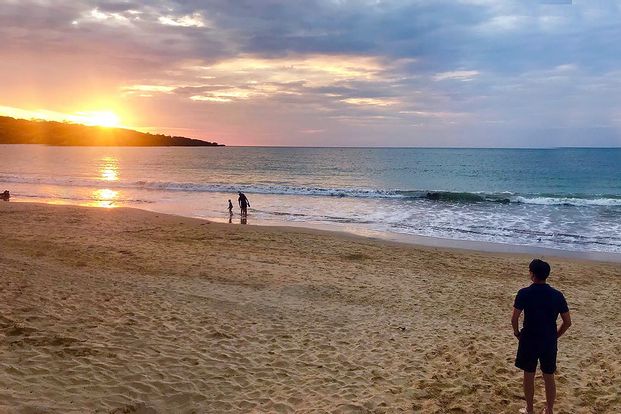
(417,147)
(326,147)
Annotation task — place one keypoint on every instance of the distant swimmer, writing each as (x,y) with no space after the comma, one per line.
(5,195)
(243,203)
(230,208)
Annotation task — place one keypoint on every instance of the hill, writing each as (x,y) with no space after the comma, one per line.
(22,131)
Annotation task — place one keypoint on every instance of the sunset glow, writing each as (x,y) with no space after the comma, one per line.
(370,73)
(331,206)
(92,118)
(103,118)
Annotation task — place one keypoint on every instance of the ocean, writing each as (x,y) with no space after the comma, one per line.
(564,198)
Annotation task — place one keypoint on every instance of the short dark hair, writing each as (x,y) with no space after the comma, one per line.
(540,269)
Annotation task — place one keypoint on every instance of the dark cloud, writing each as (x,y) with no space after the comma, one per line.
(116,6)
(443,35)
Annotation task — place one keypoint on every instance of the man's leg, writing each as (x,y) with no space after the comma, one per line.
(550,392)
(526,360)
(529,390)
(548,368)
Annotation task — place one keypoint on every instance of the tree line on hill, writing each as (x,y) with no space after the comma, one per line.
(22,131)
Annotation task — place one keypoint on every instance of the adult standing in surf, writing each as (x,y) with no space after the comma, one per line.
(243,203)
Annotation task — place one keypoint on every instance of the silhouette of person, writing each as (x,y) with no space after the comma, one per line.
(243,203)
(5,195)
(230,208)
(538,339)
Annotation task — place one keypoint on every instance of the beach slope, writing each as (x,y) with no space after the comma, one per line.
(127,311)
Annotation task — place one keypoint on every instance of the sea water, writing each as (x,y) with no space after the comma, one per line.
(567,199)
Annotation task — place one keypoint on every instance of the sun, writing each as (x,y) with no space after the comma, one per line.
(99,118)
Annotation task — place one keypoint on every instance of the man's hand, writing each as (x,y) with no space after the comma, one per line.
(515,318)
(565,325)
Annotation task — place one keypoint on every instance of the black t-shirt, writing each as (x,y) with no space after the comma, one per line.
(541,304)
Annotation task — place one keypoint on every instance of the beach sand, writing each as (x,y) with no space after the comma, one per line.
(127,311)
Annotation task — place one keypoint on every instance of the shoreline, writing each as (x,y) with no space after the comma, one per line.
(454,244)
(398,238)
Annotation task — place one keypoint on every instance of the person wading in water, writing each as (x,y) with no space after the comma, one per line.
(243,203)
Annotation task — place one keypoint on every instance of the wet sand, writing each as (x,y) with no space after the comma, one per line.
(127,311)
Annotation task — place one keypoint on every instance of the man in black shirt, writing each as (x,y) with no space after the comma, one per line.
(538,338)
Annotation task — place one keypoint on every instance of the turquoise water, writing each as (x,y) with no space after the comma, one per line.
(560,198)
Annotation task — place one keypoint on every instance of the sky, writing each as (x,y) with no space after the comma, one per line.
(465,73)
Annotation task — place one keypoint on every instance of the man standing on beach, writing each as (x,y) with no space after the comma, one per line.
(538,339)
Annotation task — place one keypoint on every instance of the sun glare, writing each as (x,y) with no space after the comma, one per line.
(103,198)
(104,117)
(109,169)
(100,118)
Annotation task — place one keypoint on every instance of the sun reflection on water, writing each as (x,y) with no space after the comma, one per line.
(109,169)
(109,175)
(104,198)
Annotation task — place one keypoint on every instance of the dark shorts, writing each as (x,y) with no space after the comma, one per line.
(529,353)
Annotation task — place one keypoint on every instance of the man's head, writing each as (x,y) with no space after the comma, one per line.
(539,269)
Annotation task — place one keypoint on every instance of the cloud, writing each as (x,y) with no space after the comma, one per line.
(193,20)
(442,67)
(461,75)
(370,101)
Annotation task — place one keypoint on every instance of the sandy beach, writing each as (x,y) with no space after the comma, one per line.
(127,311)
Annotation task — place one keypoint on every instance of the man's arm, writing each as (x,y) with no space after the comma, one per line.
(565,325)
(515,321)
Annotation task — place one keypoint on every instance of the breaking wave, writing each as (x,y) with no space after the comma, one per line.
(581,200)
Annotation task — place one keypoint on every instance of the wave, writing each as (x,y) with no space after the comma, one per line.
(581,200)
(473,232)
(455,196)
